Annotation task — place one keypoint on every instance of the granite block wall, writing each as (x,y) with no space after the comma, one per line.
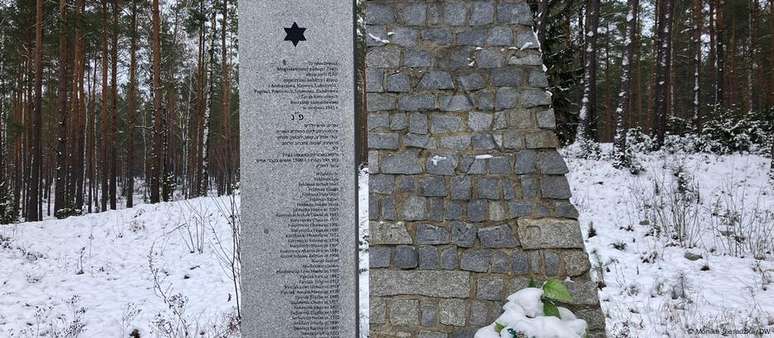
(468,198)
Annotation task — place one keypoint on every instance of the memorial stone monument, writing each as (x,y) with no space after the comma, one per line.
(298,175)
(468,198)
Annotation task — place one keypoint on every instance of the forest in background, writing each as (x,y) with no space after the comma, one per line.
(106,101)
(630,69)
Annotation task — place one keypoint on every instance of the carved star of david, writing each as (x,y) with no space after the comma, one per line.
(295,34)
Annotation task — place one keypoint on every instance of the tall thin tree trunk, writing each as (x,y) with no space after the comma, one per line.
(4,197)
(619,141)
(171,144)
(542,15)
(78,111)
(697,23)
(91,142)
(587,128)
(771,62)
(636,97)
(33,190)
(113,133)
(719,54)
(60,192)
(104,118)
(663,62)
(207,122)
(201,103)
(731,77)
(227,102)
(771,86)
(131,108)
(751,43)
(156,156)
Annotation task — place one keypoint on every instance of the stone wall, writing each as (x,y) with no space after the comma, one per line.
(468,195)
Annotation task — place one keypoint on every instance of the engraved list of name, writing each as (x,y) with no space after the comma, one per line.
(310,256)
(298,180)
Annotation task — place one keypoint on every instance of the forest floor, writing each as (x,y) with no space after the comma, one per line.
(160,268)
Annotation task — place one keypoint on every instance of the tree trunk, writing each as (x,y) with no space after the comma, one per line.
(201,105)
(731,76)
(60,191)
(698,23)
(719,54)
(587,128)
(75,182)
(606,127)
(156,156)
(635,100)
(771,61)
(5,199)
(541,20)
(207,122)
(131,108)
(104,119)
(112,165)
(169,142)
(91,138)
(771,86)
(751,43)
(619,141)
(663,70)
(227,103)
(33,184)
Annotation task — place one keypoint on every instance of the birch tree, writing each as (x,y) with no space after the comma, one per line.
(587,129)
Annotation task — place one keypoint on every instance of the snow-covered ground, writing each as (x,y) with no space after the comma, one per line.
(157,268)
(655,287)
(94,274)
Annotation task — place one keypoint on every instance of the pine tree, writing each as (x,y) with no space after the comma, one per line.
(697,25)
(719,54)
(61,205)
(33,183)
(227,148)
(751,45)
(76,179)
(207,120)
(5,198)
(622,156)
(104,118)
(156,156)
(131,106)
(663,70)
(91,139)
(771,60)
